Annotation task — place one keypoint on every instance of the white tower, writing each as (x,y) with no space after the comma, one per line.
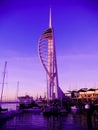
(47,54)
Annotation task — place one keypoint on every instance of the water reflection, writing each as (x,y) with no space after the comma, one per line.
(26,121)
(68,122)
(31,121)
(54,123)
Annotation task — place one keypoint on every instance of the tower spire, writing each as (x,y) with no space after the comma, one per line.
(50,20)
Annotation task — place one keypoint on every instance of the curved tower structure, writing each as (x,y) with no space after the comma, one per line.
(47,54)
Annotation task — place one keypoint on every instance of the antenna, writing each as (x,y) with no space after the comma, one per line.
(50,19)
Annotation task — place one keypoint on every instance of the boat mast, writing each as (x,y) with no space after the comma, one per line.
(17,90)
(3,79)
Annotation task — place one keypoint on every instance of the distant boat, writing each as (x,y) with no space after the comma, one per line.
(27,104)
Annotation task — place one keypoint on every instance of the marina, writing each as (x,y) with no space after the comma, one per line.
(37,121)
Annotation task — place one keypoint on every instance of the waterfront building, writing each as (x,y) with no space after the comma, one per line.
(47,55)
(84,95)
(89,95)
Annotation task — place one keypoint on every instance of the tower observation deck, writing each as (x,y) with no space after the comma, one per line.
(47,55)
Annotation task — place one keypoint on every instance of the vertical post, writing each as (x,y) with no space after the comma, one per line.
(89,116)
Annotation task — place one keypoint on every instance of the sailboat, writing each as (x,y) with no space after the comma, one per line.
(1,109)
(4,113)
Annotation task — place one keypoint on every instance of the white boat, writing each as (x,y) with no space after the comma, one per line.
(33,109)
(74,109)
(27,104)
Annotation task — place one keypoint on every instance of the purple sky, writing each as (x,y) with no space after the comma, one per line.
(75,25)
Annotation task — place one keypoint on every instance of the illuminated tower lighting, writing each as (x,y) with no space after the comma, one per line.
(47,55)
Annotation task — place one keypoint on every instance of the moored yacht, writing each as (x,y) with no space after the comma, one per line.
(27,104)
(4,113)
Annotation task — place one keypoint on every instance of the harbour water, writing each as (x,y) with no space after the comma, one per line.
(36,121)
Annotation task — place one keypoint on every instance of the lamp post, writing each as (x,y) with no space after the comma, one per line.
(89,115)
